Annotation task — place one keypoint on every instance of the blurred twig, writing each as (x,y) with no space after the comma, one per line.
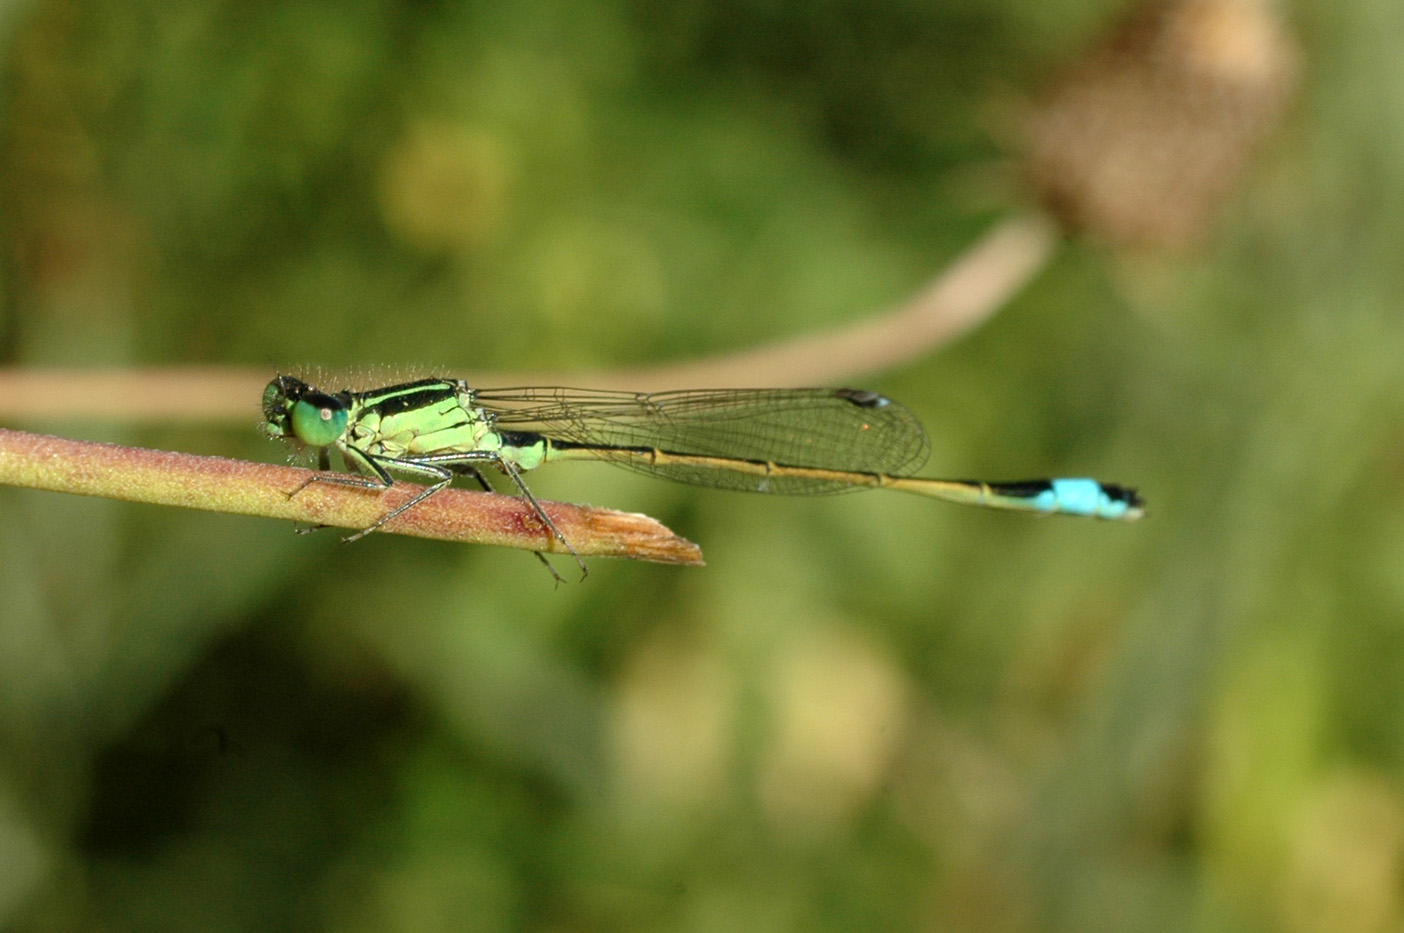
(960,298)
(971,290)
(239,487)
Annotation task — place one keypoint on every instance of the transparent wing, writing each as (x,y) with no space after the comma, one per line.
(832,429)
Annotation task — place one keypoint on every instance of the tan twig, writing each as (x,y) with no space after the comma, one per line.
(240,487)
(962,297)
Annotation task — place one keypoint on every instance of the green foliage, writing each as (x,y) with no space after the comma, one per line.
(867,712)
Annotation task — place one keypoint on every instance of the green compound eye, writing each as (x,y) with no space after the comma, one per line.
(318,420)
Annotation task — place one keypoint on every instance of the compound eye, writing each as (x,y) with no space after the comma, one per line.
(273,399)
(318,420)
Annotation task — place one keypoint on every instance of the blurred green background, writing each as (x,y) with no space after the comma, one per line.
(867,712)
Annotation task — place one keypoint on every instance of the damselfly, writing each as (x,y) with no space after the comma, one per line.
(792,441)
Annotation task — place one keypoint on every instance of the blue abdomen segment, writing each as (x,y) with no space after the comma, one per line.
(1085,497)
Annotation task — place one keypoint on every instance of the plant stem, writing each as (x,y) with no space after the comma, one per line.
(241,487)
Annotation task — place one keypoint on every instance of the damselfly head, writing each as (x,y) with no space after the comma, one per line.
(293,409)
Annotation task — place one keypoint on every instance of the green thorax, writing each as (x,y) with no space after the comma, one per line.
(431,416)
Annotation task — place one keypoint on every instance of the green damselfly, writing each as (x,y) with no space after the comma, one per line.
(791,441)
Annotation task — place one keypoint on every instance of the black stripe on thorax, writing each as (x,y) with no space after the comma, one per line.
(411,396)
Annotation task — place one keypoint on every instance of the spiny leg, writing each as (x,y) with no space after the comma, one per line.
(516,475)
(487,487)
(379,480)
(512,471)
(442,476)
